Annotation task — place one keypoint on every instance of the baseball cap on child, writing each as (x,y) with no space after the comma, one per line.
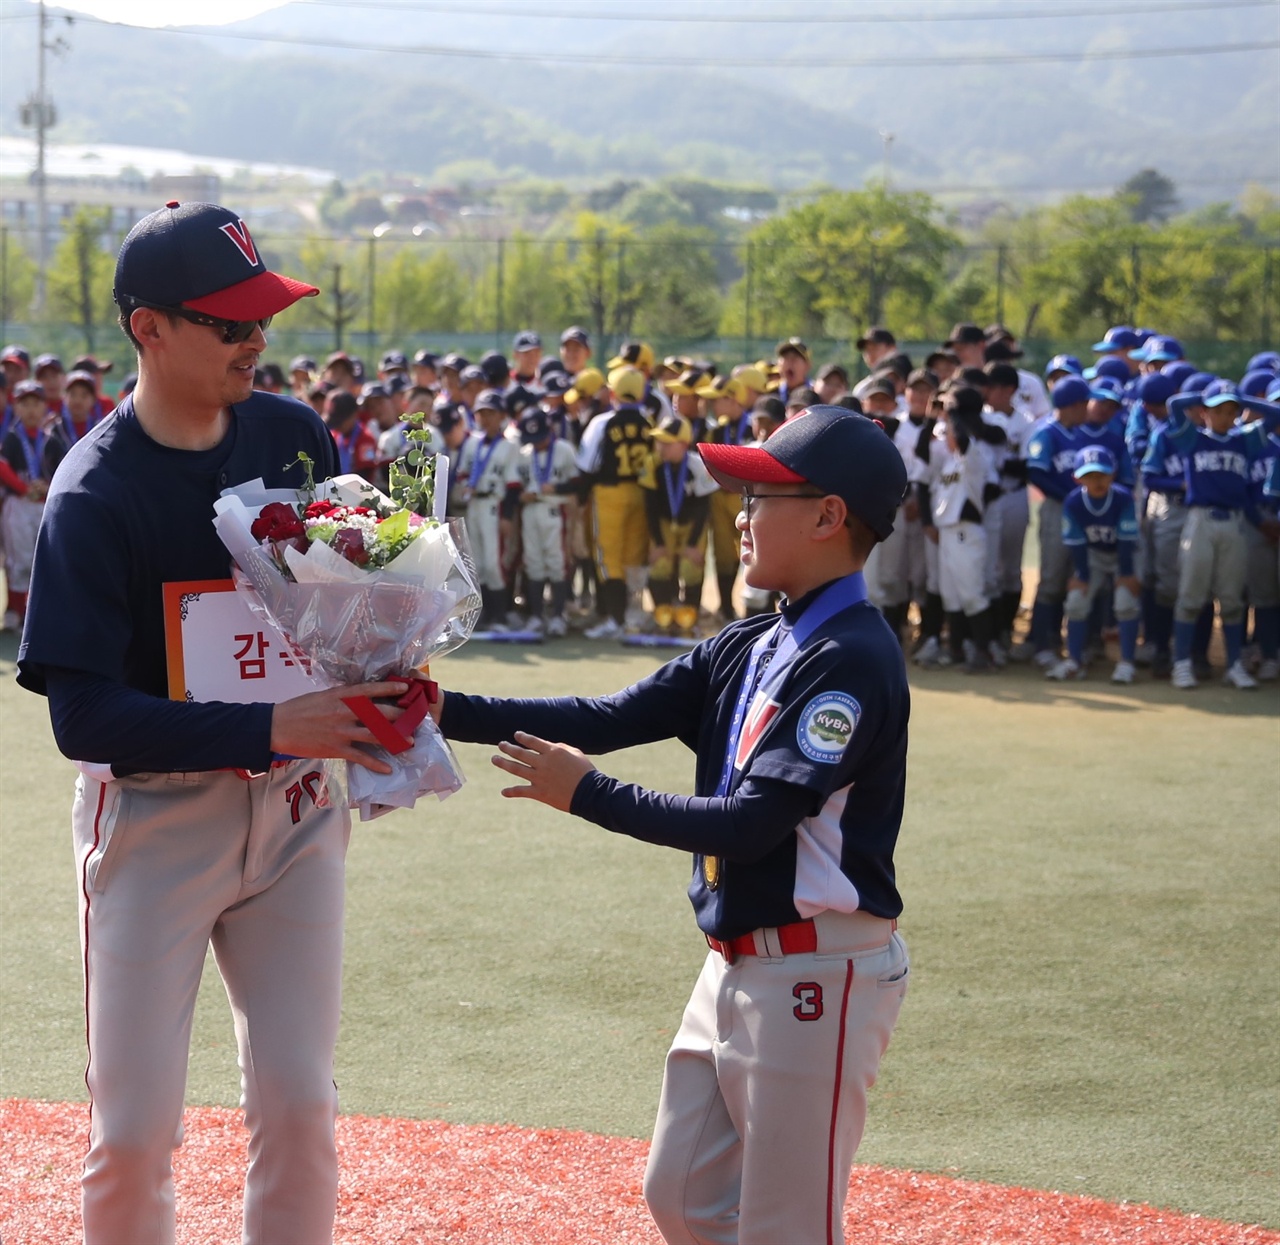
(534,425)
(1219,392)
(201,257)
(1064,363)
(627,384)
(1070,391)
(673,428)
(1093,459)
(586,384)
(1117,337)
(1158,350)
(1107,389)
(28,389)
(829,447)
(1157,389)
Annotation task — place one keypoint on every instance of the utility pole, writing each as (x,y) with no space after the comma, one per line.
(38,113)
(887,139)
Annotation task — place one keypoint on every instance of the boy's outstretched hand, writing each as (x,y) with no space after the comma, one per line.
(552,771)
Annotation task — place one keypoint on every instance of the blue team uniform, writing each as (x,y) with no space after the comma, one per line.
(1102,538)
(1263,575)
(1110,434)
(1217,475)
(1109,527)
(1051,458)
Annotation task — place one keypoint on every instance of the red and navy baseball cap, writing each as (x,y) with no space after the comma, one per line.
(829,447)
(201,257)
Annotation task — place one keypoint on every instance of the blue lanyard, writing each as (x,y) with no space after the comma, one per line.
(345,446)
(542,471)
(786,641)
(675,488)
(34,454)
(91,420)
(484,452)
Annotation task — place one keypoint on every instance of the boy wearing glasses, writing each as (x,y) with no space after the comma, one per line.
(799,724)
(185,827)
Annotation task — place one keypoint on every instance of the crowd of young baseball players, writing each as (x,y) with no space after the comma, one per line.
(1159,487)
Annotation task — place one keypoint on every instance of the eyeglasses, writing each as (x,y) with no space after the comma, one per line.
(749,500)
(234,332)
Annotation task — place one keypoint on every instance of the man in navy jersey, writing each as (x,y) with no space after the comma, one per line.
(193,823)
(799,723)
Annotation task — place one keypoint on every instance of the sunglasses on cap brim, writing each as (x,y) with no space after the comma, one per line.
(233,332)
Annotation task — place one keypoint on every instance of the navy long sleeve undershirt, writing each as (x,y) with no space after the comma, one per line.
(744,826)
(99,720)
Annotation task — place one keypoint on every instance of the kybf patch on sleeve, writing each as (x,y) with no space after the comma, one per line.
(826,726)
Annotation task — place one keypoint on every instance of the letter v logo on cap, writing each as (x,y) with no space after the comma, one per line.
(238,232)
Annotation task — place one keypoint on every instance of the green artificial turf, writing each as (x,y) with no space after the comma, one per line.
(1092,880)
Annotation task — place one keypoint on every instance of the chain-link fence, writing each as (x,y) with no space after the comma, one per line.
(686,295)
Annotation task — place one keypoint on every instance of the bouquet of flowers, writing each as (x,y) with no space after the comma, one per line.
(368,587)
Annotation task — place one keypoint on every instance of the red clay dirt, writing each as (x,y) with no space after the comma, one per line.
(422,1182)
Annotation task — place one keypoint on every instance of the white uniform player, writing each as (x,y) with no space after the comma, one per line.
(547,472)
(904,558)
(1007,515)
(958,476)
(486,488)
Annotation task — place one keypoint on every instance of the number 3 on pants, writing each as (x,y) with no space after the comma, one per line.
(810,1005)
(308,783)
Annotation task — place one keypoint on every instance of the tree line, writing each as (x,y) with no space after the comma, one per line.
(826,266)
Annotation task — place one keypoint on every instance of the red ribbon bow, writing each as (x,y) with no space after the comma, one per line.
(397,736)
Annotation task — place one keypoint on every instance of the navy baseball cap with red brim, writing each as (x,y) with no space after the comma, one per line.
(828,447)
(202,257)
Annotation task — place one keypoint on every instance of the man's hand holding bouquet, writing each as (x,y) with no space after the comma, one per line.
(369,588)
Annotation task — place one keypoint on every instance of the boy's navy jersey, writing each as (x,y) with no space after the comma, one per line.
(1218,467)
(107,548)
(827,745)
(1106,526)
(1051,458)
(1110,434)
(1163,468)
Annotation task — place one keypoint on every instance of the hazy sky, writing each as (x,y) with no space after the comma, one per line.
(171,12)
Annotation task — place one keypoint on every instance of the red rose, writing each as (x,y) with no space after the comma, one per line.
(277,521)
(350,543)
(321,509)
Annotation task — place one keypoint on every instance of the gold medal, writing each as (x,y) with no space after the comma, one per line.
(711,871)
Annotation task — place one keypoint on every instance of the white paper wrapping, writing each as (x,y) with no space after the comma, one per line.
(359,625)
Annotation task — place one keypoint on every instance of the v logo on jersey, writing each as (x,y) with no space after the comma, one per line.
(238,232)
(761,713)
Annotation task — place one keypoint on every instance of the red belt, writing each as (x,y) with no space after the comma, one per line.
(794,939)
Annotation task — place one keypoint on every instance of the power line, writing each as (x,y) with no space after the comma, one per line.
(907,61)
(790,19)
